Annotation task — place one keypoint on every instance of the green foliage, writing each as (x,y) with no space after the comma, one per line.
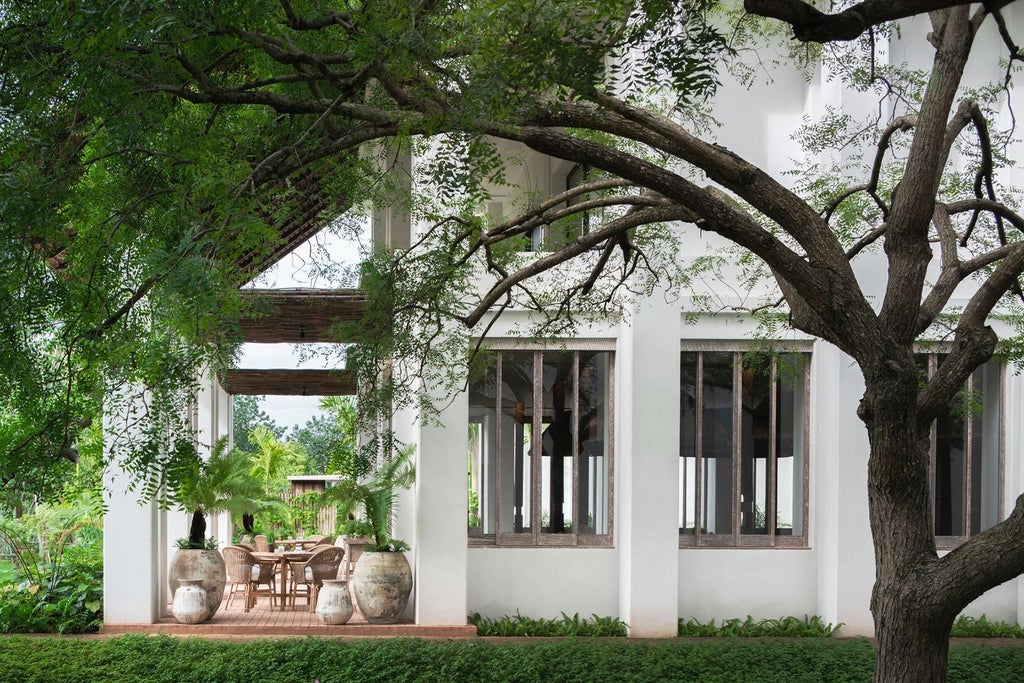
(163,659)
(376,495)
(57,591)
(981,627)
(221,483)
(785,627)
(246,414)
(272,460)
(520,626)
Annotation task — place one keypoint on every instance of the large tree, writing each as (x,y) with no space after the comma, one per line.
(185,117)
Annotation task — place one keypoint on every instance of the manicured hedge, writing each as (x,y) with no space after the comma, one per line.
(161,658)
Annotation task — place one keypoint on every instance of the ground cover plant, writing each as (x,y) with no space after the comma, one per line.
(161,658)
(784,627)
(981,627)
(518,625)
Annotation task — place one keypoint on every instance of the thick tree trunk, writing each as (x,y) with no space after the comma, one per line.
(197,532)
(911,620)
(909,645)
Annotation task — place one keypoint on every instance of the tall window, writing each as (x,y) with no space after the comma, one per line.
(743,449)
(540,449)
(964,457)
(562,232)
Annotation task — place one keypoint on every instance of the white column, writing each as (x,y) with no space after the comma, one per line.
(824,472)
(133,541)
(213,421)
(647,469)
(441,546)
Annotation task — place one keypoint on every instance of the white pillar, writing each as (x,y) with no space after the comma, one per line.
(647,477)
(133,539)
(441,547)
(212,420)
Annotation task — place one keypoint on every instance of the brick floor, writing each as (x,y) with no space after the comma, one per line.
(291,621)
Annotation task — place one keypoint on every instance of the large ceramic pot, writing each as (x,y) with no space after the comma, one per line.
(189,606)
(207,565)
(382,583)
(333,604)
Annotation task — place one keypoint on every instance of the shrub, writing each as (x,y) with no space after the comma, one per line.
(62,594)
(785,627)
(969,627)
(518,625)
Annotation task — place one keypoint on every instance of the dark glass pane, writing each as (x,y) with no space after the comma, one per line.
(985,419)
(482,458)
(688,443)
(951,469)
(755,435)
(592,484)
(516,417)
(556,453)
(717,443)
(789,445)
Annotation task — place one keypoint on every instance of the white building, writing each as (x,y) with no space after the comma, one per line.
(672,481)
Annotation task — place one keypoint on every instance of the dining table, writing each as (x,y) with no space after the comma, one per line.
(296,543)
(284,558)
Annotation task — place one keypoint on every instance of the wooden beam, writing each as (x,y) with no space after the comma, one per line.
(289,382)
(297,316)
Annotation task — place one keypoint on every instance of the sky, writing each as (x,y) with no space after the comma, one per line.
(304,267)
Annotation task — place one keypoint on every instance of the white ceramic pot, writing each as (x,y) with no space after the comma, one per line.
(189,606)
(382,583)
(207,565)
(333,604)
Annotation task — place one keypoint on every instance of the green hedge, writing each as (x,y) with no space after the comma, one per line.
(161,658)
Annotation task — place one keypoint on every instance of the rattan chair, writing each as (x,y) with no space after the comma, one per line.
(246,574)
(310,575)
(261,543)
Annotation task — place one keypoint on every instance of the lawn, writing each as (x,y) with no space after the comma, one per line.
(161,658)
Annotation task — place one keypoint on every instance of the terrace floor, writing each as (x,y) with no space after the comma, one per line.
(297,620)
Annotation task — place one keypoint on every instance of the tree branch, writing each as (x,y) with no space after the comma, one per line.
(812,25)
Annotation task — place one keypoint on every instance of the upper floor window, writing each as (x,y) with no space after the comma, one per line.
(539,461)
(964,457)
(743,449)
(564,231)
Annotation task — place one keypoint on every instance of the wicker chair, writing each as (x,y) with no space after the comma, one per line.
(261,543)
(310,575)
(246,574)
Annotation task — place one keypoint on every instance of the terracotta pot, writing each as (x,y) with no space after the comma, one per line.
(333,604)
(206,565)
(189,606)
(382,583)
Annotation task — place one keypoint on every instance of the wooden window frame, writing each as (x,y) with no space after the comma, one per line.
(736,539)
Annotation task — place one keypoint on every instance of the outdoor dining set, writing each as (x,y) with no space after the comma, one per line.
(290,569)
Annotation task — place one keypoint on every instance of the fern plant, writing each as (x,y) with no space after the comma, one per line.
(220,484)
(377,494)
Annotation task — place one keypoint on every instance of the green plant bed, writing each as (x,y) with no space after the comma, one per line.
(519,626)
(785,627)
(164,659)
(981,627)
(8,574)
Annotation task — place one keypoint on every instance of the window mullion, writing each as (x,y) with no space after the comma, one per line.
(932,448)
(968,454)
(499,452)
(737,446)
(771,502)
(698,483)
(536,443)
(575,496)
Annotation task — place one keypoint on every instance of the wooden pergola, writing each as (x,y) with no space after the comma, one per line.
(296,316)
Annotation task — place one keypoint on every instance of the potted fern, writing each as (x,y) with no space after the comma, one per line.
(382,579)
(221,483)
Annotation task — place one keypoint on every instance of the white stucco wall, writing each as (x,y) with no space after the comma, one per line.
(543,582)
(765,583)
